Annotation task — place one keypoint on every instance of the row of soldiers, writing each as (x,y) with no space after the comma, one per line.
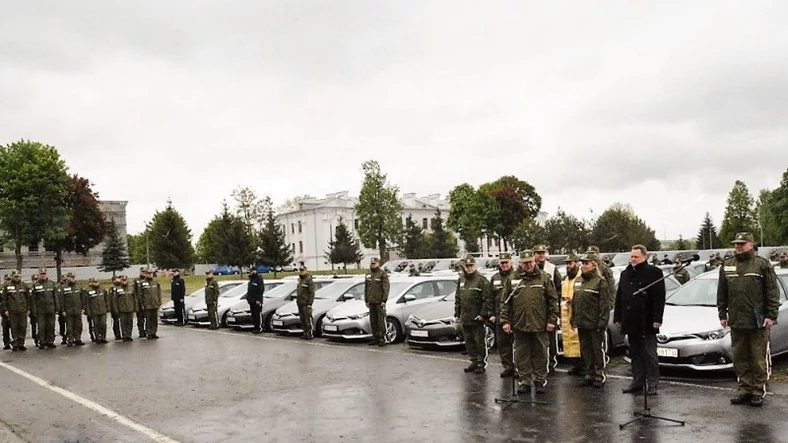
(43,300)
(525,306)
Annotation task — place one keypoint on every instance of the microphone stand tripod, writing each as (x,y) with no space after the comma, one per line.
(646,414)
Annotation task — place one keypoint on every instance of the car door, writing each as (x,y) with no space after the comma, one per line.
(779,333)
(425,292)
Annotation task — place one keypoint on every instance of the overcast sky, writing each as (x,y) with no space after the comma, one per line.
(662,105)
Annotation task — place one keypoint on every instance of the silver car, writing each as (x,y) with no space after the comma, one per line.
(691,335)
(198,314)
(433,325)
(167,311)
(350,320)
(286,320)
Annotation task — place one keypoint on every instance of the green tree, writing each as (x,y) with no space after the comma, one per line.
(114,257)
(618,229)
(207,244)
(442,243)
(777,209)
(138,250)
(344,248)
(681,244)
(739,213)
(170,239)
(466,215)
(415,240)
(234,244)
(766,222)
(251,207)
(33,193)
(565,232)
(707,235)
(274,250)
(86,225)
(528,234)
(379,210)
(509,202)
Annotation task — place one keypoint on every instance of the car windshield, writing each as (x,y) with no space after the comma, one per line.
(698,292)
(334,290)
(281,290)
(397,288)
(235,291)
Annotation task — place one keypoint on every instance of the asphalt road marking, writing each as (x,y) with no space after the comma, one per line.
(434,357)
(93,406)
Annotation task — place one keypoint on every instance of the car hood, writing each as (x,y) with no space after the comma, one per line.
(436,311)
(319,305)
(348,308)
(679,320)
(169,305)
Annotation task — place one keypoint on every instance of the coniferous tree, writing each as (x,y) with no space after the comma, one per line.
(707,235)
(344,248)
(443,244)
(114,257)
(274,250)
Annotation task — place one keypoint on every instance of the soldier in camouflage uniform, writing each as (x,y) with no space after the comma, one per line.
(531,313)
(14,306)
(142,328)
(96,307)
(748,302)
(305,296)
(783,261)
(604,270)
(376,294)
(540,257)
(123,304)
(33,321)
(72,308)
(590,315)
(472,308)
(46,305)
(6,324)
(501,287)
(211,299)
(681,274)
(112,310)
(413,272)
(149,299)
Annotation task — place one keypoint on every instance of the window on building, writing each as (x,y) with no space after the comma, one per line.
(292,228)
(300,247)
(299,226)
(292,246)
(425,224)
(355,224)
(32,247)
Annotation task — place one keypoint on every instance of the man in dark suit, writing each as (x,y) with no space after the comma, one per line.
(640,316)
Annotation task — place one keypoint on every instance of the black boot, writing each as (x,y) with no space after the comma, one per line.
(741,399)
(471,367)
(508,372)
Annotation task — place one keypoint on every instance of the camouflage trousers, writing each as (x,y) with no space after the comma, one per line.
(99,326)
(18,324)
(73,328)
(46,328)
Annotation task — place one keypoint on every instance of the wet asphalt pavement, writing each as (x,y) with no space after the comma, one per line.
(195,385)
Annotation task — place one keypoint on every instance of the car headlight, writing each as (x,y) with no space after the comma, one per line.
(447,321)
(716,334)
(277,315)
(359,316)
(412,318)
(191,311)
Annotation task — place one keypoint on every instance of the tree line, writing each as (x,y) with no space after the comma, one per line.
(41,201)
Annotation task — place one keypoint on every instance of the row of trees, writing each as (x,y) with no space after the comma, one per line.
(41,201)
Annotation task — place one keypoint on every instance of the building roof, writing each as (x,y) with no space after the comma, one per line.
(344,200)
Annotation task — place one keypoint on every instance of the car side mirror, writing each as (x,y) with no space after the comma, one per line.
(409,297)
(348,296)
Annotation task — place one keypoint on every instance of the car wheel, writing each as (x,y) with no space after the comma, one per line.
(393,330)
(223,323)
(267,324)
(489,337)
(319,327)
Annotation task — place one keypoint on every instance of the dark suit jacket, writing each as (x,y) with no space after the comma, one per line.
(631,310)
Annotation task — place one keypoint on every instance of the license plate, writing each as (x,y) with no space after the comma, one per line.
(191,317)
(230,319)
(419,333)
(668,352)
(332,328)
(277,323)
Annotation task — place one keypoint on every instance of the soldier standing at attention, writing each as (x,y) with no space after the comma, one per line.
(4,320)
(501,287)
(376,294)
(540,257)
(531,313)
(748,302)
(590,315)
(96,308)
(124,304)
(681,274)
(72,308)
(150,301)
(142,327)
(472,307)
(255,291)
(305,298)
(178,293)
(14,305)
(46,304)
(33,321)
(61,319)
(212,299)
(111,298)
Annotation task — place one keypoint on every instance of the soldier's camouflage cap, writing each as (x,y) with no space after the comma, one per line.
(504,256)
(143,268)
(571,257)
(526,256)
(743,237)
(469,260)
(70,274)
(540,248)
(92,280)
(42,270)
(14,273)
(374,261)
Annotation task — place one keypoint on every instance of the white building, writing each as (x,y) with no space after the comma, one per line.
(311,223)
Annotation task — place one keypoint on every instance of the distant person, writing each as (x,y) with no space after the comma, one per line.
(178,294)
(96,308)
(72,309)
(748,303)
(212,299)
(255,290)
(681,274)
(666,260)
(784,261)
(149,299)
(590,315)
(46,304)
(473,306)
(500,288)
(413,271)
(33,320)
(6,324)
(305,296)
(141,321)
(540,257)
(376,294)
(14,306)
(124,305)
(112,309)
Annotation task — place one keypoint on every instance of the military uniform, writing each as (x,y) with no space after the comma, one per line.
(142,328)
(14,305)
(747,295)
(211,300)
(532,306)
(376,294)
(556,278)
(784,261)
(112,310)
(72,308)
(149,299)
(473,306)
(604,270)
(46,305)
(590,316)
(4,321)
(33,322)
(501,287)
(178,294)
(413,271)
(123,304)
(96,308)
(61,319)
(681,274)
(305,296)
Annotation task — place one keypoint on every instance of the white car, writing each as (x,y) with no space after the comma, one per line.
(167,312)
(198,314)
